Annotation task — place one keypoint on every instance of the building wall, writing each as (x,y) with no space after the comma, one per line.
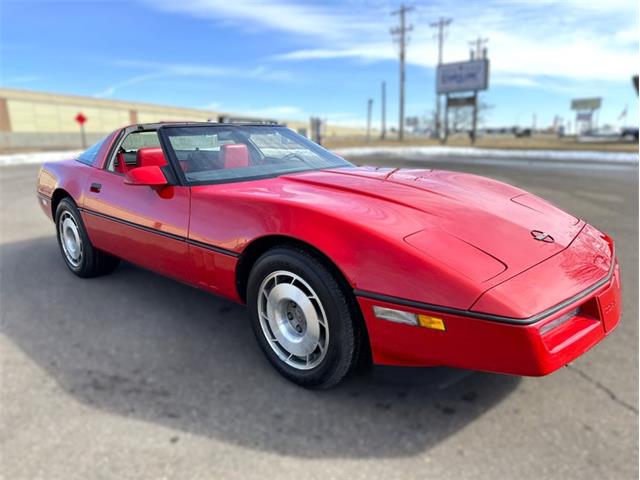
(37,119)
(52,113)
(30,116)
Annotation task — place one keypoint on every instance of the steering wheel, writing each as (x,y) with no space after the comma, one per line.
(292,156)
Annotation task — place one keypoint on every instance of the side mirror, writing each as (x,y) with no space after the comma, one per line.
(150,176)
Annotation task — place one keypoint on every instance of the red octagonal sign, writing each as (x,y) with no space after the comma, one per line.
(80,118)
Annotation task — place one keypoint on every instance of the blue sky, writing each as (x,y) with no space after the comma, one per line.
(287,59)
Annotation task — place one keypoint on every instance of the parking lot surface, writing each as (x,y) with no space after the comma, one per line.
(136,376)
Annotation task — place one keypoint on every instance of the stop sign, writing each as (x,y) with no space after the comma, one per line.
(80,118)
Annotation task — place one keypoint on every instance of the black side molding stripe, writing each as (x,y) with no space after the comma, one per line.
(488,316)
(179,238)
(134,225)
(213,248)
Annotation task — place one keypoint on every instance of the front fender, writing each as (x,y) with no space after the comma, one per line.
(365,240)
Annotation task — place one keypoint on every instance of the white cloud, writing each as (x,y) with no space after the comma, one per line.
(111,89)
(19,80)
(158,70)
(628,36)
(303,19)
(515,80)
(571,39)
(367,52)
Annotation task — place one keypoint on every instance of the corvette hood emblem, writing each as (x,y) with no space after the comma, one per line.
(542,236)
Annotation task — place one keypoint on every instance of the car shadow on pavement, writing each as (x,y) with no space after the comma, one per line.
(145,347)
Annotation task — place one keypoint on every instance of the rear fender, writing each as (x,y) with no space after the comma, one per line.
(69,176)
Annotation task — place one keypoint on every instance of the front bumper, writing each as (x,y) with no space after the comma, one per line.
(494,346)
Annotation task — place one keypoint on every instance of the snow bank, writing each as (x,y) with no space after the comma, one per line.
(37,158)
(470,152)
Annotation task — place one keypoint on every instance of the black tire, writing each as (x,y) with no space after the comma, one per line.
(91,262)
(344,331)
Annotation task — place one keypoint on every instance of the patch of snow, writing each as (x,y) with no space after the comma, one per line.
(471,152)
(37,158)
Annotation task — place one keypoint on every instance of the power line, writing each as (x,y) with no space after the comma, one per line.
(440,25)
(400,33)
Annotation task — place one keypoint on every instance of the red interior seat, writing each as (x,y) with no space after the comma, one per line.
(234,156)
(150,156)
(121,165)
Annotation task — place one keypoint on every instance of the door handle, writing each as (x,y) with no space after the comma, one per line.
(95,187)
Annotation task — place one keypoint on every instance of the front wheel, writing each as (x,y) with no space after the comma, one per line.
(302,318)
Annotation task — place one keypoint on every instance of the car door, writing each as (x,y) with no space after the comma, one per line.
(145,225)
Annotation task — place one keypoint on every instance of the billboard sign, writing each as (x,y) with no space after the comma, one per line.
(584,116)
(586,103)
(462,76)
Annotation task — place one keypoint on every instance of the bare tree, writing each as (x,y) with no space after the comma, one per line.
(461,118)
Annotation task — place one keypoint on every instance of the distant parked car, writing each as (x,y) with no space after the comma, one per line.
(629,133)
(415,267)
(522,132)
(609,134)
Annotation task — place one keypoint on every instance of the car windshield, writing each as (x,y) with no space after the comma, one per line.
(224,153)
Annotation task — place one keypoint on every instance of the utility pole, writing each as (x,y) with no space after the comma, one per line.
(440,25)
(478,52)
(478,49)
(400,33)
(369,105)
(474,118)
(383,102)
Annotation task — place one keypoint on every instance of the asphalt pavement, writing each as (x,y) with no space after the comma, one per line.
(135,376)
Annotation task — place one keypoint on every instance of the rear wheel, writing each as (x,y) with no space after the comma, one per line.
(302,318)
(79,254)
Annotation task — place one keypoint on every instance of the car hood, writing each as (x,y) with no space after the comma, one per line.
(500,220)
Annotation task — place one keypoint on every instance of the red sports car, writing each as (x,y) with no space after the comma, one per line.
(336,262)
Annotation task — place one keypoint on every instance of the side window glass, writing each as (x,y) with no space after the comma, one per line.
(126,157)
(88,157)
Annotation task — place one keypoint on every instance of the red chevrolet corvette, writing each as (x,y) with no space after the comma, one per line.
(336,262)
